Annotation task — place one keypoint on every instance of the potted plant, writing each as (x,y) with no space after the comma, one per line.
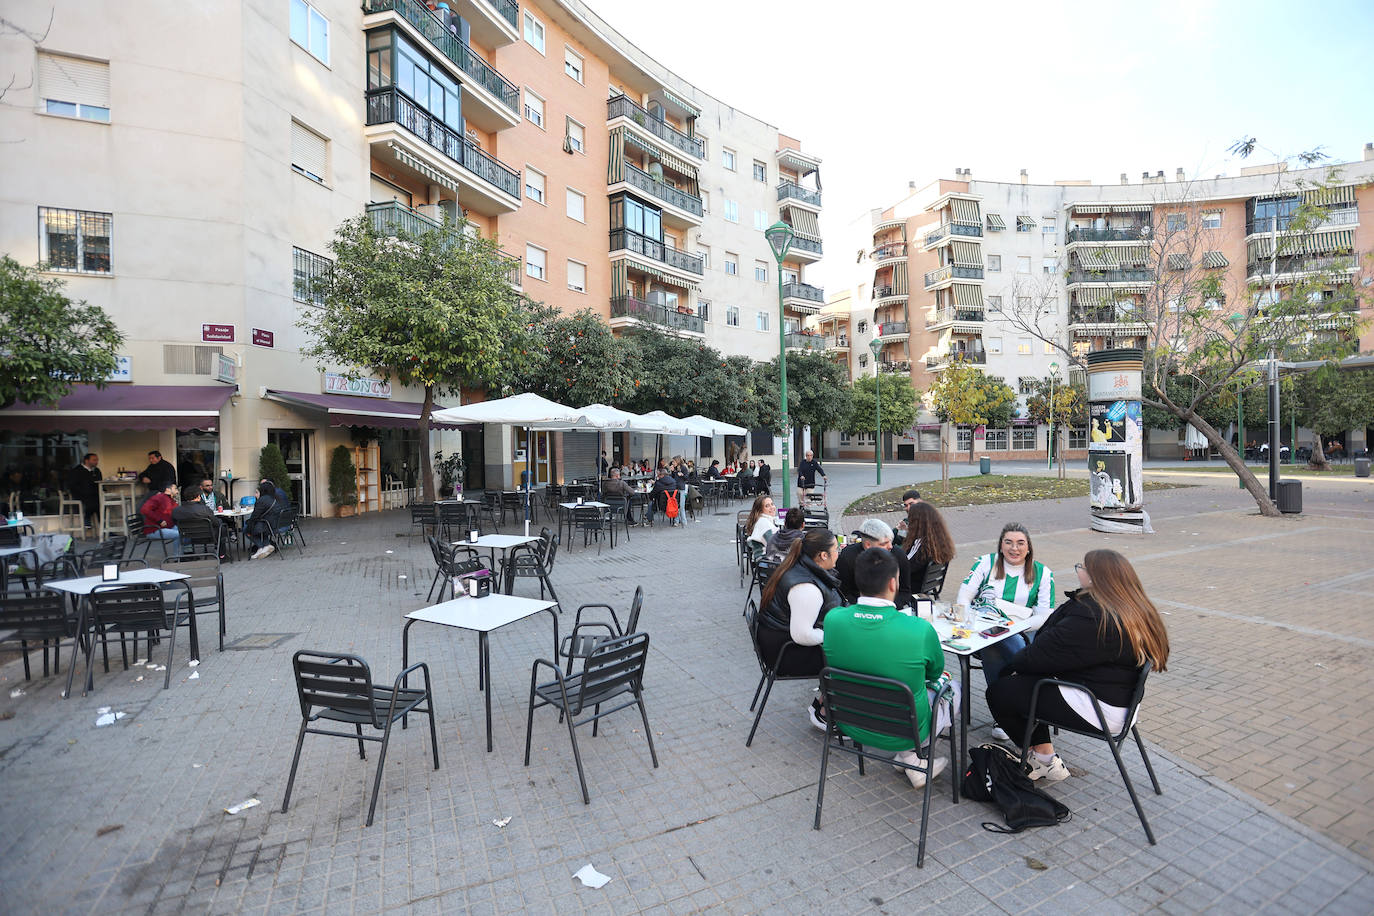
(272,466)
(450,472)
(343,481)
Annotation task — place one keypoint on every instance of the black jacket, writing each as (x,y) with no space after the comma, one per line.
(1068,646)
(806,473)
(777,614)
(765,475)
(844,569)
(160,476)
(82,483)
(265,512)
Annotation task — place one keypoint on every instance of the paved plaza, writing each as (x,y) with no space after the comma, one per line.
(1256,732)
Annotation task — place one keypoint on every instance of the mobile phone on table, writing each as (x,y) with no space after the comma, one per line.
(992,631)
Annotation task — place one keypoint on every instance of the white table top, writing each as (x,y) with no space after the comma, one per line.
(585,505)
(499,541)
(12,551)
(85,585)
(945,630)
(481,614)
(236,513)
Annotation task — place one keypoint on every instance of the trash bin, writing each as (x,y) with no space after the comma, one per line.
(1290,496)
(984,464)
(1361,467)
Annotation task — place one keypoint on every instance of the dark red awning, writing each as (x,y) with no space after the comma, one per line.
(348,410)
(123,407)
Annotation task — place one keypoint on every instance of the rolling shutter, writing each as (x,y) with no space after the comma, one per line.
(73,79)
(308,152)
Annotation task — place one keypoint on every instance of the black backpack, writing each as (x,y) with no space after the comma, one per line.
(995,775)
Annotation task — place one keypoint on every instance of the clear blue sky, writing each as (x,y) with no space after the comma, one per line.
(887,92)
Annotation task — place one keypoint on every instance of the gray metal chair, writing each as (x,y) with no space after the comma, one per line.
(581,645)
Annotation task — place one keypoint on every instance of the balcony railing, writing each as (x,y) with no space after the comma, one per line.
(452,47)
(949,315)
(804,244)
(952,271)
(832,343)
(394,218)
(895,365)
(883,292)
(622,107)
(630,307)
(636,177)
(805,291)
(629,240)
(386,106)
(1103,315)
(1292,264)
(1115,234)
(1121,275)
(977,357)
(893,250)
(949,229)
(805,341)
(509,10)
(893,328)
(790,189)
(1346,216)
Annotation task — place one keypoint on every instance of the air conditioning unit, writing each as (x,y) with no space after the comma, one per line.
(657,297)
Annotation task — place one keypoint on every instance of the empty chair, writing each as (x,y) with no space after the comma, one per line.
(286,530)
(613,671)
(204,590)
(446,558)
(453,520)
(532,561)
(585,636)
(336,687)
(110,550)
(423,516)
(932,581)
(593,522)
(130,610)
(41,619)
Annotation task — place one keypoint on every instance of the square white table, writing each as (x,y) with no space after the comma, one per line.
(481,615)
(82,588)
(501,542)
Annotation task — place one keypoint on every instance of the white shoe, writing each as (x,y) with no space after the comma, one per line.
(1054,771)
(999,734)
(257,554)
(268,550)
(917,778)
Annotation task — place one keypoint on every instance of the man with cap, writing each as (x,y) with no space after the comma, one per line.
(874,532)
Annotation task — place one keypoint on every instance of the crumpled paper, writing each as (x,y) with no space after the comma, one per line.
(591,877)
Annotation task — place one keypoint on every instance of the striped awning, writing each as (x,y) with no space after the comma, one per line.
(634,263)
(615,170)
(1133,208)
(1024,221)
(968,295)
(1322,197)
(1318,243)
(681,166)
(1097,258)
(679,101)
(423,168)
(803,222)
(1095,296)
(899,278)
(890,224)
(797,160)
(1133,255)
(995,222)
(1091,208)
(1215,259)
(965,212)
(967,254)
(620,282)
(1178,262)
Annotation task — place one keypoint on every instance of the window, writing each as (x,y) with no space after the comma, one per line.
(994,263)
(1049,348)
(1047,265)
(761,220)
(1023,264)
(577,276)
(863,360)
(703,310)
(760,171)
(309,152)
(577,205)
(534,185)
(1023,438)
(628,213)
(1078,438)
(1023,346)
(74,87)
(534,32)
(577,136)
(994,345)
(415,74)
(1176,222)
(1047,225)
(534,109)
(727,158)
(572,64)
(1025,306)
(731,210)
(1211,219)
(310,30)
(704,252)
(535,262)
(1025,385)
(863,327)
(760,321)
(994,303)
(963,438)
(307,270)
(761,271)
(732,316)
(74,240)
(731,264)
(188,359)
(995,440)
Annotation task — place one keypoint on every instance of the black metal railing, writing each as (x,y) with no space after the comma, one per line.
(892,328)
(622,107)
(1104,315)
(394,218)
(949,229)
(1114,234)
(638,178)
(509,10)
(452,47)
(630,307)
(952,272)
(1118,275)
(790,189)
(895,365)
(892,250)
(1291,264)
(978,357)
(884,292)
(803,341)
(629,240)
(949,315)
(805,291)
(800,243)
(385,106)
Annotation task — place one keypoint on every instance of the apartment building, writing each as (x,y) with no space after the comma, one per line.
(185,167)
(997,273)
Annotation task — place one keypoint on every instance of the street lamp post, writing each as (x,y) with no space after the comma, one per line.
(875,346)
(1049,444)
(780,237)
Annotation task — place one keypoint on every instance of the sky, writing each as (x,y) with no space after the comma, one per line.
(891,92)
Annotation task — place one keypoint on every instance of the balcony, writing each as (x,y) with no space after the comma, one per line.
(685,205)
(629,240)
(890,252)
(948,316)
(893,331)
(495,100)
(1346,216)
(791,191)
(798,340)
(486,185)
(902,366)
(944,276)
(948,231)
(802,297)
(804,249)
(393,218)
(1290,267)
(837,343)
(1121,234)
(1120,275)
(628,307)
(622,107)
(940,361)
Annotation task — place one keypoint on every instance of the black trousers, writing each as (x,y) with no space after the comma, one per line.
(1009,702)
(798,660)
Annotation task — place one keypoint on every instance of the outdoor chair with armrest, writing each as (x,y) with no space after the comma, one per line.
(581,645)
(131,610)
(933,580)
(768,668)
(620,513)
(133,527)
(39,618)
(532,561)
(424,516)
(446,558)
(204,590)
(288,528)
(201,535)
(593,522)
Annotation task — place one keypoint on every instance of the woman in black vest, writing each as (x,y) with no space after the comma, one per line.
(794,602)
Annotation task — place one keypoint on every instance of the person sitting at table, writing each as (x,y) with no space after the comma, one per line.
(872,637)
(207,494)
(658,495)
(793,527)
(1101,638)
(713,472)
(874,532)
(927,542)
(258,526)
(909,499)
(762,523)
(796,599)
(193,506)
(158,524)
(744,479)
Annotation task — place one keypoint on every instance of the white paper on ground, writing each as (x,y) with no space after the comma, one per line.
(107,717)
(16,693)
(591,877)
(195,675)
(242,806)
(501,822)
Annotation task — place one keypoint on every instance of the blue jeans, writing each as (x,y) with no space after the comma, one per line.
(167,534)
(996,656)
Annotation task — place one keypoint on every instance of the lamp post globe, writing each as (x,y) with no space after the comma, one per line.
(779,236)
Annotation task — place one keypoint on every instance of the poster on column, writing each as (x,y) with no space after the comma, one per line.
(1116,487)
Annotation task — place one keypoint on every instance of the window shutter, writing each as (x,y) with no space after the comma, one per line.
(308,152)
(72,79)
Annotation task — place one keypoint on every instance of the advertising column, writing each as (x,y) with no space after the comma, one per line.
(1116,491)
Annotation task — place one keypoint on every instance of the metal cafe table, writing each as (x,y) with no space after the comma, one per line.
(502,542)
(481,615)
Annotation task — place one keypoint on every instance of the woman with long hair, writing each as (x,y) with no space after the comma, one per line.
(1012,582)
(795,600)
(928,541)
(763,520)
(1101,638)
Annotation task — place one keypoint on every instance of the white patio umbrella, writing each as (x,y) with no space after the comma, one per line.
(717,427)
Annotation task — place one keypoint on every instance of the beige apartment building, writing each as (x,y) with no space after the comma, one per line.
(943,273)
(184,166)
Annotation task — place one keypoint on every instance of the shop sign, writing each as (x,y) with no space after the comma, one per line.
(334,383)
(1120,385)
(123,370)
(217,333)
(263,338)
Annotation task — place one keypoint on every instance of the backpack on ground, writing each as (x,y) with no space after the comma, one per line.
(670,508)
(994,775)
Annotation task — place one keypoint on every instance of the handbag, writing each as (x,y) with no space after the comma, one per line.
(995,775)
